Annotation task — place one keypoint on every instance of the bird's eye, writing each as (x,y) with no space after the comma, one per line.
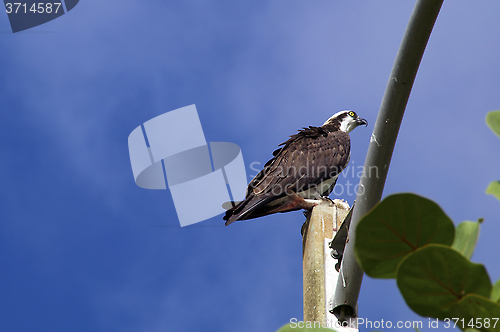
(351,113)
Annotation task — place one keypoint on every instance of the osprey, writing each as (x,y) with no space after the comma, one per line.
(302,172)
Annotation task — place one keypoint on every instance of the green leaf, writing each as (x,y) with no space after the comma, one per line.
(495,292)
(397,226)
(494,189)
(478,312)
(304,327)
(435,278)
(466,236)
(493,121)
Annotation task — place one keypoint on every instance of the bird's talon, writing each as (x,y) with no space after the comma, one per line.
(326,198)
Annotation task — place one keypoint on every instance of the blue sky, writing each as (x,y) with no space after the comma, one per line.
(84,249)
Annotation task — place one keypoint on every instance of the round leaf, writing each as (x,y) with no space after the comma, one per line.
(466,236)
(493,121)
(435,278)
(494,189)
(397,226)
(495,292)
(479,312)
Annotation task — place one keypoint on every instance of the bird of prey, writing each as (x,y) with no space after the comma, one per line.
(302,172)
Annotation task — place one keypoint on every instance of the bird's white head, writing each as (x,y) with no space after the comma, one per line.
(345,121)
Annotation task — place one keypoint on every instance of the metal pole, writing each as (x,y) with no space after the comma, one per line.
(382,144)
(317,264)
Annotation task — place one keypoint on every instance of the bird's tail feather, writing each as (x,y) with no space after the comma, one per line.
(245,210)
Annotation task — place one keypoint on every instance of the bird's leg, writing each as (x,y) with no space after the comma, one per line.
(305,203)
(318,199)
(293,203)
(299,202)
(323,199)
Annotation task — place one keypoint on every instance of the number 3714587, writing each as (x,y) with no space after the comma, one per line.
(36,8)
(473,323)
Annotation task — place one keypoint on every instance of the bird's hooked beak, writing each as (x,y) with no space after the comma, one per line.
(361,121)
